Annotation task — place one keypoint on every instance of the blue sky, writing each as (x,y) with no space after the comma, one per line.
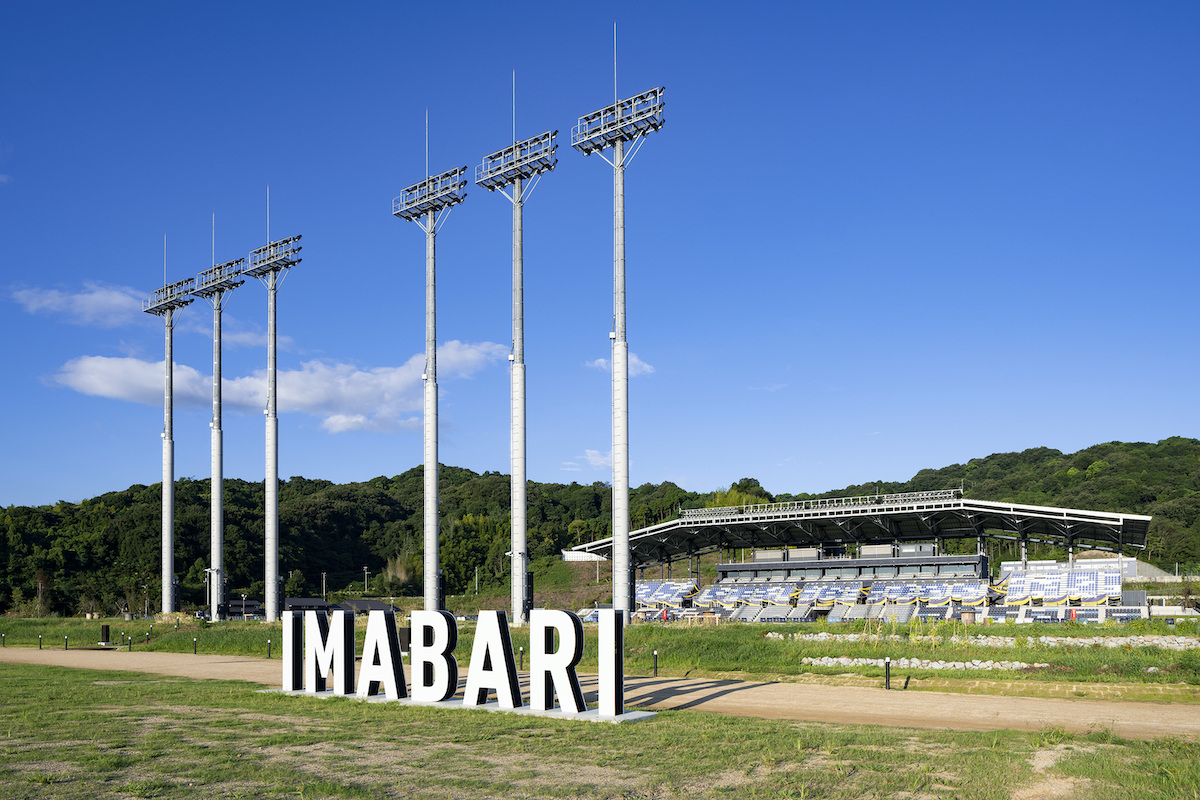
(871,237)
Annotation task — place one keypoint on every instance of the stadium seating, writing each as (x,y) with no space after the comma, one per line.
(801,613)
(659,594)
(773,613)
(896,613)
(1059,587)
(1049,595)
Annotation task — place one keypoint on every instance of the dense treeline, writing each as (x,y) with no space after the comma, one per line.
(103,554)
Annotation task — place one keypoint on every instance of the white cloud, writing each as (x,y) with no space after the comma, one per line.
(636,365)
(571,466)
(595,458)
(5,178)
(252,339)
(134,380)
(98,304)
(346,397)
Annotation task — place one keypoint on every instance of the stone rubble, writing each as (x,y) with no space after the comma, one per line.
(1166,642)
(921,663)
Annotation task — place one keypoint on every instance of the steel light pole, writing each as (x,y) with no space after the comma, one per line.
(164,303)
(214,285)
(625,121)
(427,203)
(270,264)
(520,166)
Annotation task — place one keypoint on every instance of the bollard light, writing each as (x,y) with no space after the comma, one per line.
(268,648)
(64,643)
(887,672)
(522,651)
(39,641)
(193,645)
(656,663)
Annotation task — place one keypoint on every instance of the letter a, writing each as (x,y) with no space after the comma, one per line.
(550,669)
(434,670)
(492,664)
(381,664)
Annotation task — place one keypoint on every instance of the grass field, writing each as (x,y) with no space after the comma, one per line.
(745,651)
(82,734)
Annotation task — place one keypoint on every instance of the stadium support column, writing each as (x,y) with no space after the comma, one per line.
(431,421)
(217,477)
(164,303)
(620,395)
(625,121)
(270,264)
(272,458)
(517,497)
(518,169)
(426,203)
(168,476)
(214,285)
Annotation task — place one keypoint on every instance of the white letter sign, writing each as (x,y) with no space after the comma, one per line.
(492,664)
(612,662)
(293,651)
(435,672)
(329,646)
(553,670)
(381,664)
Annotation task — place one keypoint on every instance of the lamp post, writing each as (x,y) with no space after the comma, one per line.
(164,303)
(270,264)
(520,166)
(427,203)
(625,121)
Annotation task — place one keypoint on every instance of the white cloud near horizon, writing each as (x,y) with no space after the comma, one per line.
(595,458)
(636,365)
(97,304)
(107,306)
(346,397)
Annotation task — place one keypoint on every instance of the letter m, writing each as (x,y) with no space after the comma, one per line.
(329,647)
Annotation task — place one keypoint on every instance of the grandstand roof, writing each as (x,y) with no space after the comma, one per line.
(874,519)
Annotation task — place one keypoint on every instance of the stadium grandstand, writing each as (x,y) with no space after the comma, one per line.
(882,557)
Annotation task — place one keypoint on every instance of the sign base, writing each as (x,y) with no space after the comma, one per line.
(590,715)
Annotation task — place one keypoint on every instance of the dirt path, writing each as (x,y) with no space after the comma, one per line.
(816,703)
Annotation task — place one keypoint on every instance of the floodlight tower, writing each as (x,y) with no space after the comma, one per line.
(427,203)
(213,285)
(270,264)
(628,120)
(515,165)
(165,302)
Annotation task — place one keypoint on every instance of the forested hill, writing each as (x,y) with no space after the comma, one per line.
(103,553)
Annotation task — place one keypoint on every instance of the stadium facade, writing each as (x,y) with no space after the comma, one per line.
(883,557)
